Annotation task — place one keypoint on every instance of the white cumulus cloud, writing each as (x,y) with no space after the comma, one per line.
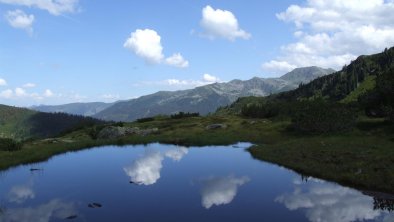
(55,7)
(3,82)
(278,66)
(331,33)
(177,60)
(48,93)
(6,94)
(219,23)
(20,20)
(210,78)
(182,83)
(29,85)
(19,92)
(147,45)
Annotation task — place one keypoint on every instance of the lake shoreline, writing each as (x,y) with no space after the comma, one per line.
(360,159)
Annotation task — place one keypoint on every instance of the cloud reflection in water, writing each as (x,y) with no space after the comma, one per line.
(146,169)
(21,193)
(327,202)
(220,190)
(55,209)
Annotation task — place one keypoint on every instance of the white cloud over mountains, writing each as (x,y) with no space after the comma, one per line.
(182,83)
(330,33)
(147,45)
(210,78)
(177,60)
(21,93)
(219,23)
(20,20)
(55,7)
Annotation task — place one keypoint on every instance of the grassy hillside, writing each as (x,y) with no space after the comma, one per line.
(22,124)
(340,84)
(13,122)
(366,83)
(364,87)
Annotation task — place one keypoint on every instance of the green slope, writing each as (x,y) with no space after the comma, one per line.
(360,78)
(339,85)
(13,122)
(22,124)
(368,84)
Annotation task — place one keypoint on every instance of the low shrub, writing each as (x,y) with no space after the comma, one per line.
(7,144)
(181,115)
(320,116)
(144,120)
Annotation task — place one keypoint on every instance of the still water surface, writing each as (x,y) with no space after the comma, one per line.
(171,183)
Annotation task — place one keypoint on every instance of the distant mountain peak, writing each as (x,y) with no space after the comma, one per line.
(306,74)
(207,98)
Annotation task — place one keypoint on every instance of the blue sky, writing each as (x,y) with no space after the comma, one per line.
(61,51)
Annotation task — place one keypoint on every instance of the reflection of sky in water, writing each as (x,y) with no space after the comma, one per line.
(328,202)
(54,209)
(146,169)
(196,184)
(220,190)
(21,193)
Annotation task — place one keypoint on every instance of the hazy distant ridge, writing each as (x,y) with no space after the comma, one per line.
(206,99)
(84,109)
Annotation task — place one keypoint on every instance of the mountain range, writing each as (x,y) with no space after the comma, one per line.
(366,83)
(203,99)
(83,109)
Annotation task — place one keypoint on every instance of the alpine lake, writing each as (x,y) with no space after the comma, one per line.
(159,182)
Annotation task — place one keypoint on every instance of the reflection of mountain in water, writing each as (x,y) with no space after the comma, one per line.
(146,169)
(220,190)
(327,202)
(53,210)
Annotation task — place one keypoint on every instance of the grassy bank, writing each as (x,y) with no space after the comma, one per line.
(187,132)
(361,158)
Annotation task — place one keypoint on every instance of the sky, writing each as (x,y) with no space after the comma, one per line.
(62,51)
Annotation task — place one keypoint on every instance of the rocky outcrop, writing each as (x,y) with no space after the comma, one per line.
(113,132)
(216,126)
